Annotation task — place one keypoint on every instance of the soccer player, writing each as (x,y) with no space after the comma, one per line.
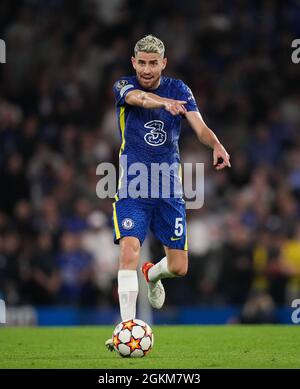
(150,108)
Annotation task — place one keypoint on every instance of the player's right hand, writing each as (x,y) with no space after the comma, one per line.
(175,107)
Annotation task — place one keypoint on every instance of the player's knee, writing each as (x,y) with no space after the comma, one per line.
(182,271)
(179,270)
(129,255)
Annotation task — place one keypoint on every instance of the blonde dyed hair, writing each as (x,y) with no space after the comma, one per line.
(150,44)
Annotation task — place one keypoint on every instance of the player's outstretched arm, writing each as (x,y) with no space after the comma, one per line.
(209,138)
(150,101)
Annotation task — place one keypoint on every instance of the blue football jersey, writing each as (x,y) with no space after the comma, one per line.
(150,137)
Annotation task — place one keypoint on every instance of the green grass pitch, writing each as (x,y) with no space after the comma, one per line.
(175,347)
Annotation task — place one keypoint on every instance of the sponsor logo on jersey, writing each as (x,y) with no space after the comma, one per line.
(157,136)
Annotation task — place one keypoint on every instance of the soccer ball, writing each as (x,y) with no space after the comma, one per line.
(133,338)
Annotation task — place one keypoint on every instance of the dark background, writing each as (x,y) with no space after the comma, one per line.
(57,123)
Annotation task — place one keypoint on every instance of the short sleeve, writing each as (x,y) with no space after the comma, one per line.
(121,88)
(187,95)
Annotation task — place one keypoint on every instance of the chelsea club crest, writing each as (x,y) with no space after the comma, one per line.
(127,224)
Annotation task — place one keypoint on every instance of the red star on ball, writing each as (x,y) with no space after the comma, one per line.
(128,325)
(116,341)
(134,344)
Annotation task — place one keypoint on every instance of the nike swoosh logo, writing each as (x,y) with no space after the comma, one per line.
(175,238)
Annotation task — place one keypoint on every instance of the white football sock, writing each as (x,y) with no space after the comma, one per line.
(128,290)
(160,271)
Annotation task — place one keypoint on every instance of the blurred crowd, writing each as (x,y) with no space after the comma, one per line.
(57,123)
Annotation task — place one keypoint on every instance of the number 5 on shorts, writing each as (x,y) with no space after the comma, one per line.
(178,226)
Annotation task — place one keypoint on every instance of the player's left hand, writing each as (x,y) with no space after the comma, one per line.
(175,107)
(221,157)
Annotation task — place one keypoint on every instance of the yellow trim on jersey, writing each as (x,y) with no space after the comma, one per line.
(180,172)
(118,234)
(116,197)
(122,127)
(186,241)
